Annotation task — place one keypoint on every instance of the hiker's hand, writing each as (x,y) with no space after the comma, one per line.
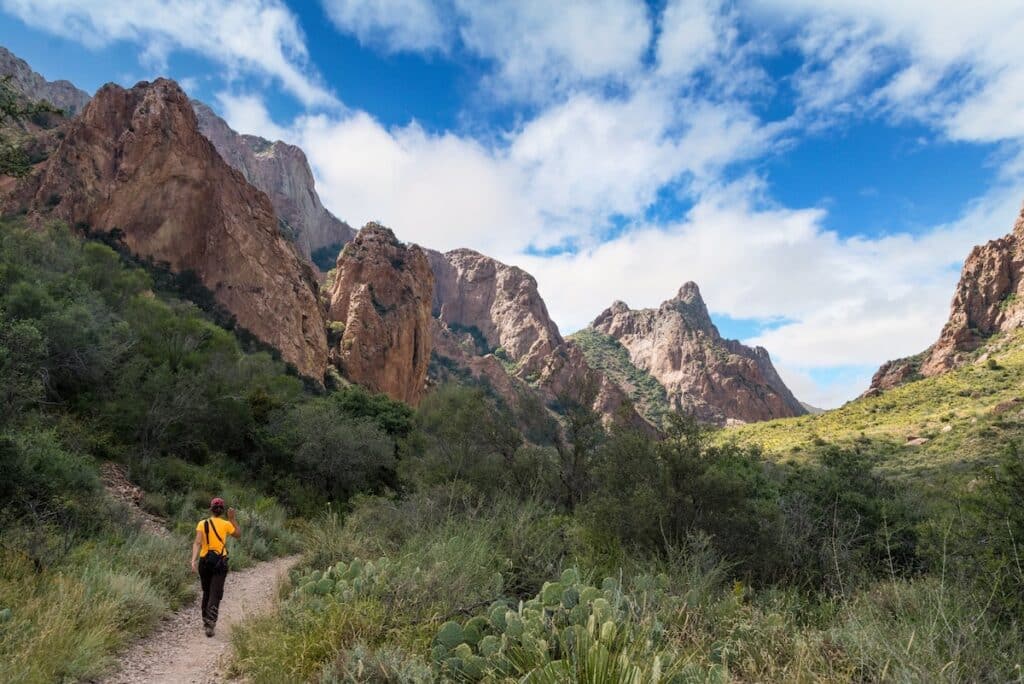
(194,569)
(231,514)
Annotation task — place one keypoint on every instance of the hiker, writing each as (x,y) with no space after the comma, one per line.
(211,548)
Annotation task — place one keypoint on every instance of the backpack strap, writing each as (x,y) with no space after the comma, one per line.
(224,547)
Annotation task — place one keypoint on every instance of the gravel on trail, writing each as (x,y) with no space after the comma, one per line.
(177,652)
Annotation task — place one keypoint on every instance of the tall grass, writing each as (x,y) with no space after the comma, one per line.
(67,620)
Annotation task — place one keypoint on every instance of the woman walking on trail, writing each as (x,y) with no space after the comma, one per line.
(210,547)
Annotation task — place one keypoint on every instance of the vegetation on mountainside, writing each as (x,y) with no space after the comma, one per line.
(98,364)
(607,355)
(962,414)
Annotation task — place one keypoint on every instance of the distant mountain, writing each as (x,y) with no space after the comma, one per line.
(989,299)
(61,94)
(282,171)
(178,187)
(714,379)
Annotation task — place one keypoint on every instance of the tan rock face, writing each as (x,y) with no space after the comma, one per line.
(500,301)
(134,161)
(989,299)
(282,171)
(565,372)
(714,379)
(381,296)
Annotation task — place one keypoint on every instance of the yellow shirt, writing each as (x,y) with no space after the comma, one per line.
(224,529)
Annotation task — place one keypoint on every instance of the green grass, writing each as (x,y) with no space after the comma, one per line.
(68,619)
(607,355)
(965,415)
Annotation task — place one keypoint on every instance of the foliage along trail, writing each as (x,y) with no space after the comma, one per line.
(178,652)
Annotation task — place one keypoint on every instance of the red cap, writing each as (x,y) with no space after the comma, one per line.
(217,501)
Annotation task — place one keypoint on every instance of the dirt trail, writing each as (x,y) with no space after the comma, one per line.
(178,652)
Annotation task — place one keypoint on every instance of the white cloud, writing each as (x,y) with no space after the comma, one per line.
(957,64)
(692,32)
(392,25)
(246,36)
(541,46)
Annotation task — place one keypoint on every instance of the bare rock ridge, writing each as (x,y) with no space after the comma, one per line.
(715,379)
(499,302)
(485,309)
(135,161)
(61,94)
(379,314)
(282,171)
(989,299)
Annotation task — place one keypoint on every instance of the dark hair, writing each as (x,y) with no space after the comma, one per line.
(218,509)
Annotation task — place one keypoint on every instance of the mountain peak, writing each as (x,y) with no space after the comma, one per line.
(689,292)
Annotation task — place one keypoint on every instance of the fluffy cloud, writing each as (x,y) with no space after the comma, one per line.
(960,65)
(542,46)
(392,25)
(254,36)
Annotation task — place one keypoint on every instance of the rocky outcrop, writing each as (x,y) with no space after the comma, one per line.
(61,94)
(566,374)
(134,161)
(282,171)
(714,379)
(989,299)
(499,303)
(379,314)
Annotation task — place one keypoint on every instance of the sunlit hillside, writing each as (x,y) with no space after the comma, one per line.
(953,423)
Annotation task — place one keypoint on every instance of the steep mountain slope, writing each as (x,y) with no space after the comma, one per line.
(989,299)
(135,162)
(379,314)
(714,379)
(942,428)
(61,94)
(498,302)
(492,323)
(282,171)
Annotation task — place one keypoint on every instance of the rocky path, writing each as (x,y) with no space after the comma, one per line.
(178,652)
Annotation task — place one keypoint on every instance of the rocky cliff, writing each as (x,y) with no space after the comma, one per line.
(134,161)
(282,171)
(493,323)
(379,314)
(500,303)
(989,299)
(714,379)
(61,94)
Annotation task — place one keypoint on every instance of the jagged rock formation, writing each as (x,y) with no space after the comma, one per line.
(61,94)
(493,323)
(499,302)
(989,299)
(379,314)
(714,379)
(134,161)
(282,171)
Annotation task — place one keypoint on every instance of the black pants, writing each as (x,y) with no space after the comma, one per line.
(213,591)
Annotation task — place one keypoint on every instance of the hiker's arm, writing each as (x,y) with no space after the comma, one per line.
(197,544)
(237,534)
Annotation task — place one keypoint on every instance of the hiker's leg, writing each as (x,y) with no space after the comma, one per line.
(205,579)
(216,594)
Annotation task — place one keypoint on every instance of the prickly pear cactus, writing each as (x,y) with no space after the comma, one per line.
(570,631)
(342,582)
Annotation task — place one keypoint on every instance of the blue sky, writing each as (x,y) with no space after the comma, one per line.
(820,172)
